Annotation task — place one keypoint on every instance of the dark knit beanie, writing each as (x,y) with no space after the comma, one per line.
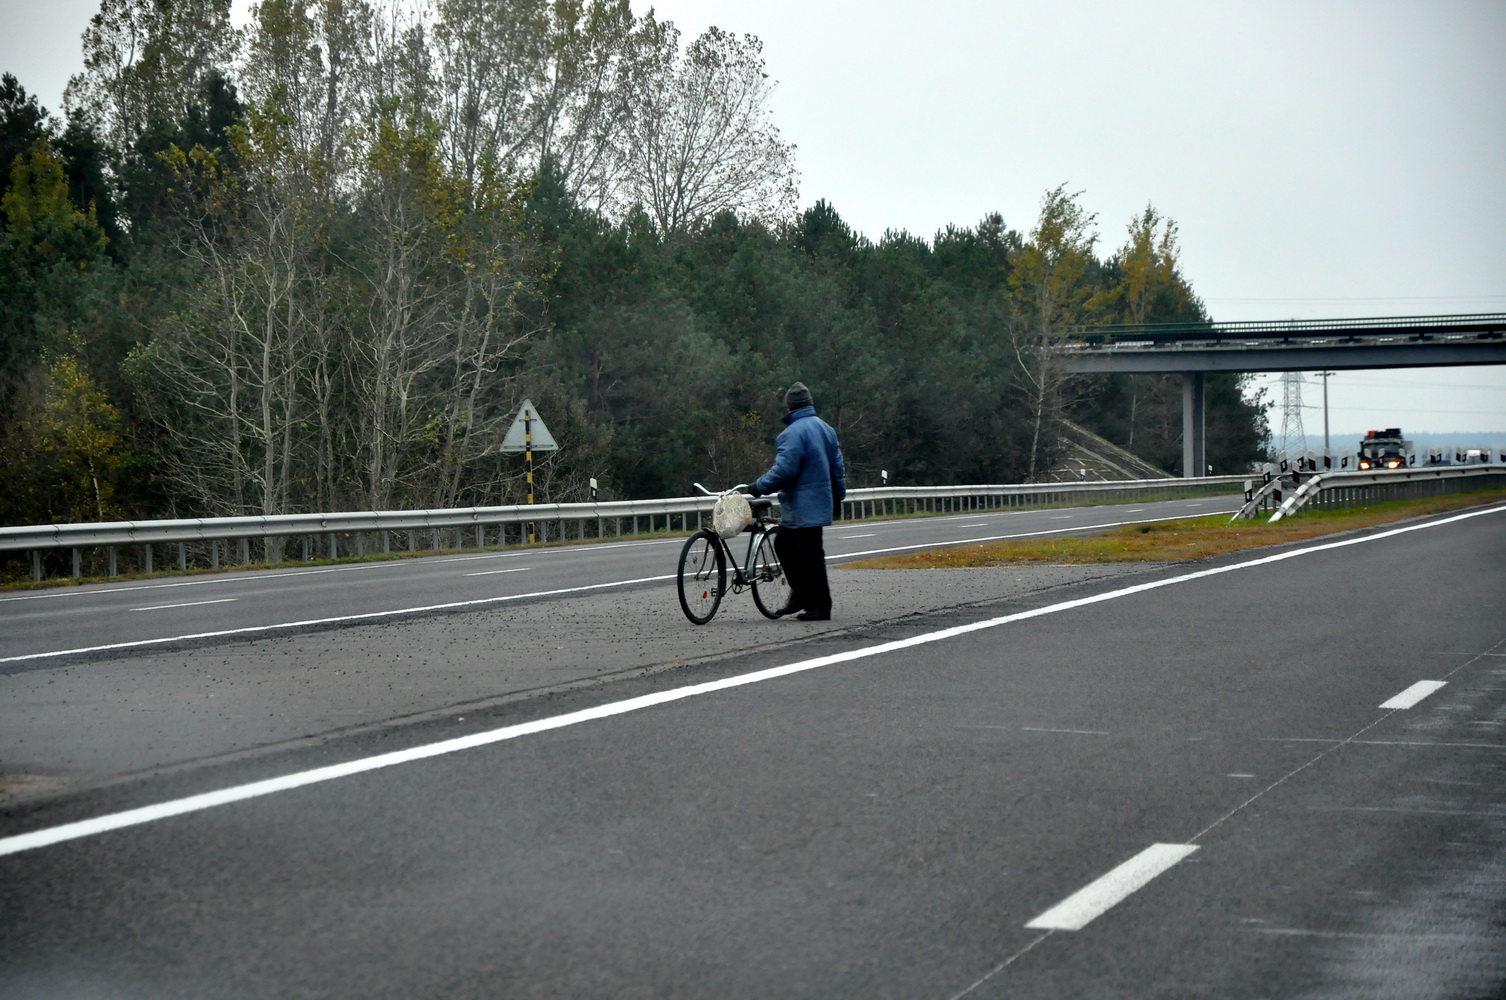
(797,396)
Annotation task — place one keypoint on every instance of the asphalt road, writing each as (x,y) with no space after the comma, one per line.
(110,615)
(906,807)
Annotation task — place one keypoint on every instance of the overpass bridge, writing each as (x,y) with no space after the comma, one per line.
(1193,349)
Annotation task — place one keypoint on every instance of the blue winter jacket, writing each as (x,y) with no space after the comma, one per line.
(808,472)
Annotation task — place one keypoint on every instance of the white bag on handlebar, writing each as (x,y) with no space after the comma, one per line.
(732,515)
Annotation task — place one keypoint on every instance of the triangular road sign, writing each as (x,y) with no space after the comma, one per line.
(528,420)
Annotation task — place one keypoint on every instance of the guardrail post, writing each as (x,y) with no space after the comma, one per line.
(334,546)
(77,567)
(386,542)
(148,557)
(36,565)
(214,554)
(182,557)
(112,560)
(245,551)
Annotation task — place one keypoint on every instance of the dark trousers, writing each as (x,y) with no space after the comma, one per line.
(803,557)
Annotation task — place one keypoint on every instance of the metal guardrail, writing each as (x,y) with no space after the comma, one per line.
(1270,491)
(1343,489)
(198,540)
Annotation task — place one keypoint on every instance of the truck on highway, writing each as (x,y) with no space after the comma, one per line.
(1384,450)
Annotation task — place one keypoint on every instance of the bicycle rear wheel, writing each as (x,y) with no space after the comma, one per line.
(771,588)
(703,576)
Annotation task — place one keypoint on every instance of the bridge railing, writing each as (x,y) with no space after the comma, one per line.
(113,547)
(1490,325)
(1348,489)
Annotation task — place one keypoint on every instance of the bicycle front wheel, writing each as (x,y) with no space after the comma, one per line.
(771,588)
(703,576)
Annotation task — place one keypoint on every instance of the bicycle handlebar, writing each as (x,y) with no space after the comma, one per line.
(740,487)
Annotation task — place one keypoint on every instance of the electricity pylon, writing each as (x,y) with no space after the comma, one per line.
(1293,439)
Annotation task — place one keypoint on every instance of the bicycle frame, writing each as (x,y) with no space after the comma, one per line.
(702,585)
(744,573)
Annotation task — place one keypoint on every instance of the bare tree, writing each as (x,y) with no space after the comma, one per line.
(489,65)
(446,266)
(226,374)
(595,50)
(701,139)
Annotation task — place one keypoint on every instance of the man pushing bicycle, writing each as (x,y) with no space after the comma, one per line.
(811,480)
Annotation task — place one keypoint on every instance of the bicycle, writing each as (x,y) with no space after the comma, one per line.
(706,556)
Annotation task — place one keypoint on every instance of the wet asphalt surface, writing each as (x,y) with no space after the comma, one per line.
(884,826)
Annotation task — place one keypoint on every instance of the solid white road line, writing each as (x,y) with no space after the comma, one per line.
(1103,894)
(1413,694)
(494,572)
(176,807)
(186,604)
(254,629)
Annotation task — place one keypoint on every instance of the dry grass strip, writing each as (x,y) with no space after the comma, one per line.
(1173,541)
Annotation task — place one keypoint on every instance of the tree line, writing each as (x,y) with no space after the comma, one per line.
(316,263)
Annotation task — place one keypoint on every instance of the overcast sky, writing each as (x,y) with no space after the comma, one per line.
(1321,159)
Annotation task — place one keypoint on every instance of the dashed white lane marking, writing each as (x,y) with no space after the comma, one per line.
(1076,732)
(239,793)
(186,604)
(868,535)
(980,524)
(368,616)
(494,572)
(1060,517)
(1241,775)
(234,578)
(1413,694)
(1107,891)
(1134,510)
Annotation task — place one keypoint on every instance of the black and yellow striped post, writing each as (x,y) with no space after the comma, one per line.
(528,454)
(528,434)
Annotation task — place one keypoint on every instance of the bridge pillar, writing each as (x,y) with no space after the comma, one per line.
(1194,458)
